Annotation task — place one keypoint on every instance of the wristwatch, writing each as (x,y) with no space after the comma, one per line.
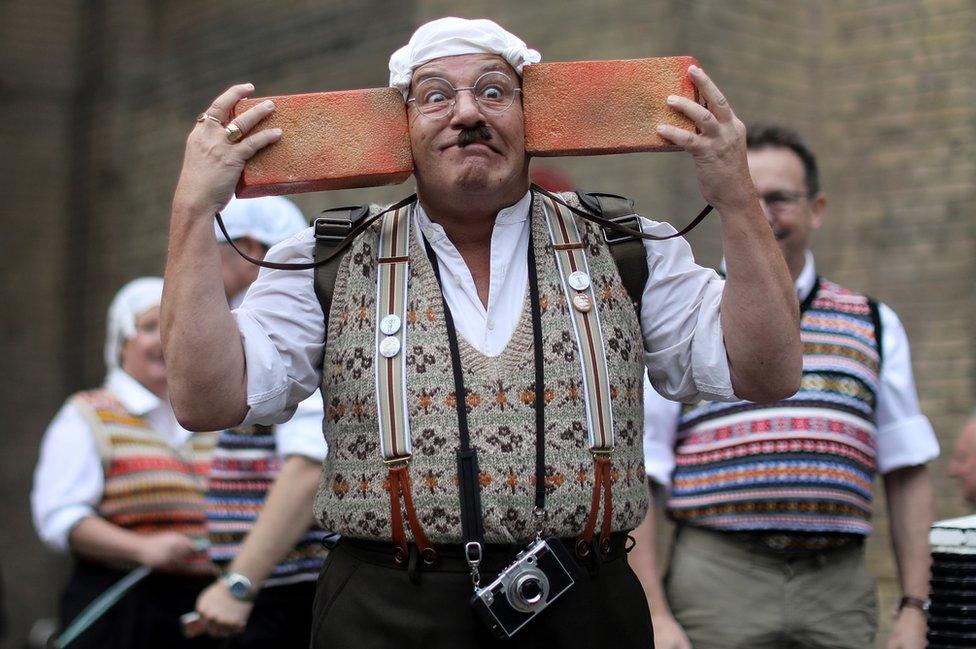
(914,602)
(239,586)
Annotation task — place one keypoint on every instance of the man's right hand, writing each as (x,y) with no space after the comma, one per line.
(212,164)
(166,551)
(221,613)
(668,634)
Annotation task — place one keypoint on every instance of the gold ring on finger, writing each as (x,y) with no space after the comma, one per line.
(234,133)
(204,116)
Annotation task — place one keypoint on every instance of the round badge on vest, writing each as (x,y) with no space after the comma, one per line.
(390,346)
(390,324)
(579,280)
(582,302)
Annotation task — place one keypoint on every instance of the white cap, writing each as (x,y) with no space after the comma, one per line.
(452,37)
(269,219)
(132,300)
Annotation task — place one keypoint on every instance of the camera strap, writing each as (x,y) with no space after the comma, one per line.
(469,486)
(581,299)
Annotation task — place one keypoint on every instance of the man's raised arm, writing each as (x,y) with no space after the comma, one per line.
(203,349)
(760,314)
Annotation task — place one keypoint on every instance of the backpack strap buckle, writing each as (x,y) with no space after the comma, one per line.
(613,237)
(337,223)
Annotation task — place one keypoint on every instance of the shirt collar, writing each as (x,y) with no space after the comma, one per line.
(807,278)
(516,213)
(133,396)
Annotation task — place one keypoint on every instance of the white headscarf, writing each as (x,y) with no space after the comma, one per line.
(132,300)
(452,37)
(269,219)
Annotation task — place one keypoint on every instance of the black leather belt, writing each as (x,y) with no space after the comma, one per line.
(450,557)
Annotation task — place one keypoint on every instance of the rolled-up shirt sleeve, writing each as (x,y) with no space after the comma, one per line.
(68,479)
(905,436)
(283,332)
(684,347)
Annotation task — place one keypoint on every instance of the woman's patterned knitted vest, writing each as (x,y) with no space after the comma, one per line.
(802,465)
(245,464)
(352,497)
(149,486)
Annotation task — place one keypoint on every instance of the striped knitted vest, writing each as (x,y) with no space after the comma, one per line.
(149,486)
(805,464)
(245,464)
(353,497)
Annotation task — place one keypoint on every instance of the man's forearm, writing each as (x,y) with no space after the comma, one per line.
(201,343)
(910,509)
(760,314)
(285,517)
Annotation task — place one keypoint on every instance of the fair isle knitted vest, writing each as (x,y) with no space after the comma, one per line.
(149,486)
(353,497)
(805,464)
(245,464)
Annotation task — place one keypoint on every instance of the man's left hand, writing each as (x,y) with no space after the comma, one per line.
(719,148)
(908,631)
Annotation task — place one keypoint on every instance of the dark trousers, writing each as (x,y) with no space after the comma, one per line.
(147,617)
(281,618)
(365,601)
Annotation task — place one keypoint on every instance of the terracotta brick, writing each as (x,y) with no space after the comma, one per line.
(331,140)
(597,107)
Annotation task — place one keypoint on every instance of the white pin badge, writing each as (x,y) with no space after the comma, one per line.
(390,324)
(582,302)
(579,280)
(390,346)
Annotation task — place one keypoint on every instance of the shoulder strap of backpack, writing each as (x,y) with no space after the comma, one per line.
(330,230)
(628,251)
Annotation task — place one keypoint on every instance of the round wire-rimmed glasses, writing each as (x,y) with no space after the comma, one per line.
(435,97)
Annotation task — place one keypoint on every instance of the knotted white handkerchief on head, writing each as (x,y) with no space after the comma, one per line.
(453,37)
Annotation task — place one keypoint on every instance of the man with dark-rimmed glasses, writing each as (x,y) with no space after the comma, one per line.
(772,502)
(483,366)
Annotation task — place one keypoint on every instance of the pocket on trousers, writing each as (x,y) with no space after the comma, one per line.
(336,574)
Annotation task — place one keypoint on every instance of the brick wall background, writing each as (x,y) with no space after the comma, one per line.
(98,96)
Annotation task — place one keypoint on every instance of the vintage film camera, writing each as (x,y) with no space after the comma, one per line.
(539,575)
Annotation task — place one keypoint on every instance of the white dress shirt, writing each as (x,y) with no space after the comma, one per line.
(904,436)
(283,332)
(69,480)
(302,434)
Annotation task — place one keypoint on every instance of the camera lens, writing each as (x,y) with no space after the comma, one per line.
(530,590)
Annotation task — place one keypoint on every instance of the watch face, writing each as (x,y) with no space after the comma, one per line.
(239,587)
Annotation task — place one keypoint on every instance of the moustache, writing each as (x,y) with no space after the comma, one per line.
(473,135)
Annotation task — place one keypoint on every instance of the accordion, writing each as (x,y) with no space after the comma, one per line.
(952,613)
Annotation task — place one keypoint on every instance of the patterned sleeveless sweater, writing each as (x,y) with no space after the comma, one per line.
(353,498)
(149,486)
(244,466)
(802,465)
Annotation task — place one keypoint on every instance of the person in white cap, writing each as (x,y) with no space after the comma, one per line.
(119,483)
(253,225)
(485,288)
(263,479)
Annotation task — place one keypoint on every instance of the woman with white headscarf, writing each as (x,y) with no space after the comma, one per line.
(120,483)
